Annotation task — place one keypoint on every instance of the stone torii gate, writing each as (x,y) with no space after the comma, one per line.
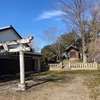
(17,46)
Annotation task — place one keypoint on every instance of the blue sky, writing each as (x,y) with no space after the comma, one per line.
(30,17)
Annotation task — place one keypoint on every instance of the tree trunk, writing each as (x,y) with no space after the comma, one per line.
(84,58)
(84,50)
(57,58)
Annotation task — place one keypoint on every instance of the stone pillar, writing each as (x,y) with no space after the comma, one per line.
(22,71)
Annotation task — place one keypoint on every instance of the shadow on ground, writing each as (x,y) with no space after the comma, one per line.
(57,79)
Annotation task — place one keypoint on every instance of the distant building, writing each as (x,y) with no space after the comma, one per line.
(72,53)
(9,63)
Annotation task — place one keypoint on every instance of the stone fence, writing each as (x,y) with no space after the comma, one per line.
(73,66)
(57,66)
(81,66)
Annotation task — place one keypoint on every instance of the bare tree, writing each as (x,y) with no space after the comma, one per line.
(51,36)
(94,22)
(81,15)
(35,44)
(94,32)
(94,50)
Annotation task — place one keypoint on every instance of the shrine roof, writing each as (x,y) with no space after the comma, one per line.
(71,47)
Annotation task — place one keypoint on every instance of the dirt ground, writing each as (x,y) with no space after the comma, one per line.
(59,87)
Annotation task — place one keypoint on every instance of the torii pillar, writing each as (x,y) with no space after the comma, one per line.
(22,71)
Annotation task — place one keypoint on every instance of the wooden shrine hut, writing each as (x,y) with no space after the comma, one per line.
(72,53)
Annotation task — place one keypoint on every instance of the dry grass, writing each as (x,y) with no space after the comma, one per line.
(93,84)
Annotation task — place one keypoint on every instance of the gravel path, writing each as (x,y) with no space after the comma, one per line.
(72,90)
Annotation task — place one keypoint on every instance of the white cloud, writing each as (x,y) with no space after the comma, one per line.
(58,19)
(50,14)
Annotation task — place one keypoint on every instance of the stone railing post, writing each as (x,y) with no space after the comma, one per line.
(61,64)
(95,64)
